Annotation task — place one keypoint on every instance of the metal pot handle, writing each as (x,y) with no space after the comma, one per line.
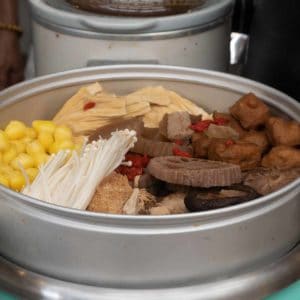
(118,27)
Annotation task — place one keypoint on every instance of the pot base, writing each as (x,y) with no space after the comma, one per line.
(251,285)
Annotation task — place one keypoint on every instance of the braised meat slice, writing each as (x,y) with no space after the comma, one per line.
(265,181)
(282,158)
(246,155)
(157,148)
(231,122)
(135,124)
(250,111)
(175,126)
(200,143)
(283,132)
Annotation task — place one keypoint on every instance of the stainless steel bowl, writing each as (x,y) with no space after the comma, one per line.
(137,7)
(144,251)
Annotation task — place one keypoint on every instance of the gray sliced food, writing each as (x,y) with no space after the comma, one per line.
(157,148)
(194,172)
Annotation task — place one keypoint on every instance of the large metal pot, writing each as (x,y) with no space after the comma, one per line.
(144,251)
(137,7)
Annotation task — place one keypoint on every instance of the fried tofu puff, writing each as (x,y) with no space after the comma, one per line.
(282,158)
(259,138)
(283,132)
(250,111)
(246,155)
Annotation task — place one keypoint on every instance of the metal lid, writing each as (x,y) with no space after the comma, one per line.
(57,12)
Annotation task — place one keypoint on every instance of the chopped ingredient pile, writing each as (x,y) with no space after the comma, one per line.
(150,152)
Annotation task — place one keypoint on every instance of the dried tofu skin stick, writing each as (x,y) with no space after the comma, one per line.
(186,105)
(153,118)
(155,95)
(151,102)
(137,109)
(76,102)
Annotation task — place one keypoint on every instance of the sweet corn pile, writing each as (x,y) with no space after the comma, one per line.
(25,148)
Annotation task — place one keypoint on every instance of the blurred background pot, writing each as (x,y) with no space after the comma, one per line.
(66,37)
(137,7)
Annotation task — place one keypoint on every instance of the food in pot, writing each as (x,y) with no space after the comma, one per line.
(231,122)
(176,126)
(246,155)
(91,108)
(207,199)
(111,194)
(151,152)
(157,148)
(283,132)
(265,181)
(24,149)
(200,142)
(81,173)
(282,157)
(194,171)
(258,138)
(250,111)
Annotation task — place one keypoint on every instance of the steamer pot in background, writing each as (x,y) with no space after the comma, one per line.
(66,38)
(139,252)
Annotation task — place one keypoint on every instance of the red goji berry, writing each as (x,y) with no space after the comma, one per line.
(178,152)
(89,105)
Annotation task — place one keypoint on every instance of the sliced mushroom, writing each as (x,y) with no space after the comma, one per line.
(213,198)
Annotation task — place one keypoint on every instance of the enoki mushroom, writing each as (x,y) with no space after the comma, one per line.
(71,181)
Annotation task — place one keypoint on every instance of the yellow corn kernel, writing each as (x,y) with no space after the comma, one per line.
(20,146)
(16,181)
(26,140)
(1,157)
(44,125)
(4,180)
(23,159)
(6,169)
(4,143)
(62,133)
(46,139)
(30,133)
(40,158)
(15,130)
(53,148)
(34,147)
(9,154)
(65,145)
(32,173)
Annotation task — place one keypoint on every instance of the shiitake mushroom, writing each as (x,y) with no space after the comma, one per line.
(201,199)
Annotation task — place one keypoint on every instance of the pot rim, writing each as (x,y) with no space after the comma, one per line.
(134,70)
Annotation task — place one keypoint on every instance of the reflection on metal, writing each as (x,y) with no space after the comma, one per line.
(249,285)
(238,48)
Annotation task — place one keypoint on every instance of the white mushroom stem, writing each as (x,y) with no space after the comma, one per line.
(72,181)
(130,207)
